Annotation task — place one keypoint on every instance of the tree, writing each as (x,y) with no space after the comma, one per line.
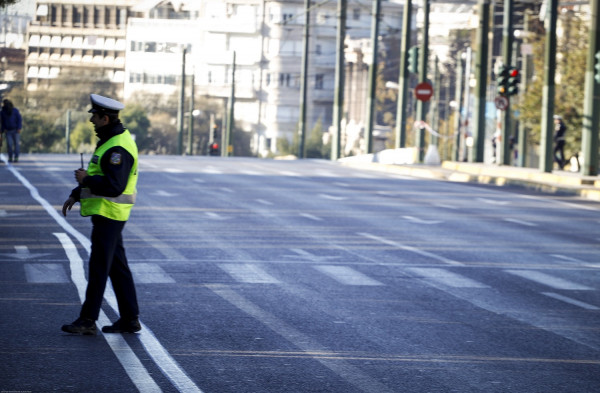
(40,134)
(135,120)
(570,73)
(315,148)
(6,3)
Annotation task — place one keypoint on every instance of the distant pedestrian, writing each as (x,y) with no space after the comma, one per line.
(12,124)
(107,191)
(559,140)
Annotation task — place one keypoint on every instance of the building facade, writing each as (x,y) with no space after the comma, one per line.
(138,44)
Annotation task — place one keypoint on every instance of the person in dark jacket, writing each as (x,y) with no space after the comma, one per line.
(12,124)
(107,191)
(559,140)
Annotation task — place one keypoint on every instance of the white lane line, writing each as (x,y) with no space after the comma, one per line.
(288,173)
(574,302)
(248,273)
(493,201)
(347,276)
(421,221)
(45,273)
(411,249)
(447,278)
(133,367)
(566,258)
(548,280)
(150,273)
(130,362)
(345,370)
(311,217)
(333,197)
(174,170)
(263,202)
(520,222)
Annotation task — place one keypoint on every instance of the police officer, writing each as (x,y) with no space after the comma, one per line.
(107,191)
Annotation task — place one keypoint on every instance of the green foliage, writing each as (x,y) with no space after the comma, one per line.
(40,135)
(570,78)
(135,120)
(83,138)
(314,146)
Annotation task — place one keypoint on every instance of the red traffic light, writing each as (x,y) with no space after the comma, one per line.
(514,72)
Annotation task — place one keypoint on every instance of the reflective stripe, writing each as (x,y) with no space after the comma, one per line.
(86,193)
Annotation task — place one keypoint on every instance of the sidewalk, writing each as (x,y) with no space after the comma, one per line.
(558,182)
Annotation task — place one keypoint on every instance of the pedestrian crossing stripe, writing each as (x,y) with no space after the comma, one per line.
(347,276)
(446,277)
(45,273)
(248,273)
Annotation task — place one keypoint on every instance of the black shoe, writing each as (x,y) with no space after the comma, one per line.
(81,326)
(123,326)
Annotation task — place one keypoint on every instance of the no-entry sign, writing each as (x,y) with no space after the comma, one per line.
(423,91)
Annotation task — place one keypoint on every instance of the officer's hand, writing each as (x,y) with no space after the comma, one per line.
(80,174)
(68,205)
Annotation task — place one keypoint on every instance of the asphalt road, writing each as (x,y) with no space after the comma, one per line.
(303,276)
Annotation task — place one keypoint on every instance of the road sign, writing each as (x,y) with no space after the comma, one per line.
(501,103)
(423,91)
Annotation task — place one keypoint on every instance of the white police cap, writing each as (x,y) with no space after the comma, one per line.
(557,117)
(104,104)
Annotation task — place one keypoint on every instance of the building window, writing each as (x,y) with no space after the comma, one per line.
(319,82)
(356,13)
(318,49)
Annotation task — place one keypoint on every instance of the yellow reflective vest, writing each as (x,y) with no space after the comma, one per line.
(116,208)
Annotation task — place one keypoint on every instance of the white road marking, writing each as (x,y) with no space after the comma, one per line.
(150,273)
(22,253)
(333,197)
(131,364)
(447,278)
(566,258)
(345,370)
(163,193)
(45,273)
(548,280)
(174,170)
(248,273)
(212,171)
(411,249)
(574,302)
(347,276)
(263,202)
(421,221)
(520,222)
(215,216)
(493,201)
(288,173)
(311,217)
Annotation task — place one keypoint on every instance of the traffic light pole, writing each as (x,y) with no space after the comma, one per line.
(338,98)
(481,61)
(591,107)
(507,38)
(546,158)
(404,76)
(304,80)
(421,113)
(372,78)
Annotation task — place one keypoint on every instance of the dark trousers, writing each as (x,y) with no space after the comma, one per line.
(108,260)
(559,154)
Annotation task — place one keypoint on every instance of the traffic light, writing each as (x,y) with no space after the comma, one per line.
(502,80)
(413,60)
(513,81)
(597,67)
(213,149)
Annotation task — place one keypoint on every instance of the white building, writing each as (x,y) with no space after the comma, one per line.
(267,38)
